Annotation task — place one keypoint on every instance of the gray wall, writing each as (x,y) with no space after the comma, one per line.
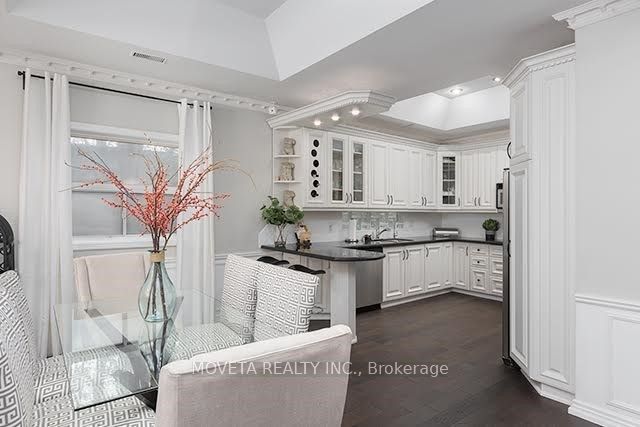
(239,134)
(244,136)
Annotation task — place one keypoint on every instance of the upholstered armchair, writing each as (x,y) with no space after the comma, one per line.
(203,391)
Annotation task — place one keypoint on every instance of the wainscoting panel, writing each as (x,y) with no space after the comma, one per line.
(607,361)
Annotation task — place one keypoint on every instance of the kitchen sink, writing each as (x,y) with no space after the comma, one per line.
(391,240)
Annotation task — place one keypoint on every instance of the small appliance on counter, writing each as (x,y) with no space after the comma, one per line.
(445,232)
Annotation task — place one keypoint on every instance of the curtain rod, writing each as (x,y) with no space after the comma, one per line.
(122,92)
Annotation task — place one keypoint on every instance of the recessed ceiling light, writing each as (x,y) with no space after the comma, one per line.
(497,79)
(355,111)
(317,122)
(335,117)
(456,91)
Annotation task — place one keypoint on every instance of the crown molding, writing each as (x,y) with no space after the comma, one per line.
(370,103)
(383,137)
(84,73)
(540,61)
(489,139)
(595,11)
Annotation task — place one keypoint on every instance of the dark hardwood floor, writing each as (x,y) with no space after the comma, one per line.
(461,332)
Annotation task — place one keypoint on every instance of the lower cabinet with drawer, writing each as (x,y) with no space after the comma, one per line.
(436,267)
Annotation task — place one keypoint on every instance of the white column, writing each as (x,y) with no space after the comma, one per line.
(342,276)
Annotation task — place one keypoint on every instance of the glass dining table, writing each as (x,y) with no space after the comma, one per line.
(110,352)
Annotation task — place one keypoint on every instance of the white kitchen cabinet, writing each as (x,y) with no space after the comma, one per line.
(403,274)
(478,177)
(414,273)
(486,179)
(495,285)
(448,190)
(416,182)
(378,175)
(519,274)
(429,187)
(468,178)
(478,280)
(422,179)
(347,171)
(461,265)
(542,284)
(436,264)
(338,171)
(357,168)
(520,108)
(393,274)
(389,176)
(398,175)
(447,255)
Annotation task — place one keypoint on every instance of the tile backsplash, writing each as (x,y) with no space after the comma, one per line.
(334,226)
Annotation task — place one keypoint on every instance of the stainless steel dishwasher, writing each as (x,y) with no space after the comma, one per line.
(369,283)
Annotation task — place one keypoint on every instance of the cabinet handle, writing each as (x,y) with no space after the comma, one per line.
(509,150)
(392,199)
(427,252)
(350,197)
(458,201)
(387,199)
(467,250)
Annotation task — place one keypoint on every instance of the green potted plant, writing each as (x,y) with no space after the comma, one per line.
(490,227)
(280,216)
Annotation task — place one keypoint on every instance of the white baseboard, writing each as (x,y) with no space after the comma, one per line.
(477,294)
(415,298)
(600,415)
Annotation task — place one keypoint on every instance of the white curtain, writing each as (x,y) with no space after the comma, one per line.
(44,227)
(195,244)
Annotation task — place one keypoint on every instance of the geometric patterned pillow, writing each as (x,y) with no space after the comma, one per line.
(285,301)
(239,295)
(16,370)
(11,281)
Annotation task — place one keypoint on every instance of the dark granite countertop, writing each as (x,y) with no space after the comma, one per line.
(330,251)
(355,252)
(419,240)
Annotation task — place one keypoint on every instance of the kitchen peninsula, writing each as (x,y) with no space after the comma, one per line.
(342,276)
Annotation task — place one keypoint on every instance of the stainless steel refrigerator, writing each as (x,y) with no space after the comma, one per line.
(503,199)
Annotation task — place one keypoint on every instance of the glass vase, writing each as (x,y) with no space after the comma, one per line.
(157,297)
(281,237)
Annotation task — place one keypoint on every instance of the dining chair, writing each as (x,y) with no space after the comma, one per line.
(112,276)
(285,301)
(22,382)
(237,313)
(196,392)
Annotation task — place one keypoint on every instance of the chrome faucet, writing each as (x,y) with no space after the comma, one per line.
(379,232)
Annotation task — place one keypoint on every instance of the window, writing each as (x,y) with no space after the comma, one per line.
(91,216)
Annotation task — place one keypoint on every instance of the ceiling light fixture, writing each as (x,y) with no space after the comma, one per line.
(335,117)
(355,111)
(456,91)
(497,79)
(317,122)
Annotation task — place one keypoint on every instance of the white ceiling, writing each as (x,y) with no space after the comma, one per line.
(260,9)
(404,52)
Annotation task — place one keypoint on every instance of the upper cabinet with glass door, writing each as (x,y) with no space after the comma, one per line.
(448,171)
(338,173)
(348,171)
(357,169)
